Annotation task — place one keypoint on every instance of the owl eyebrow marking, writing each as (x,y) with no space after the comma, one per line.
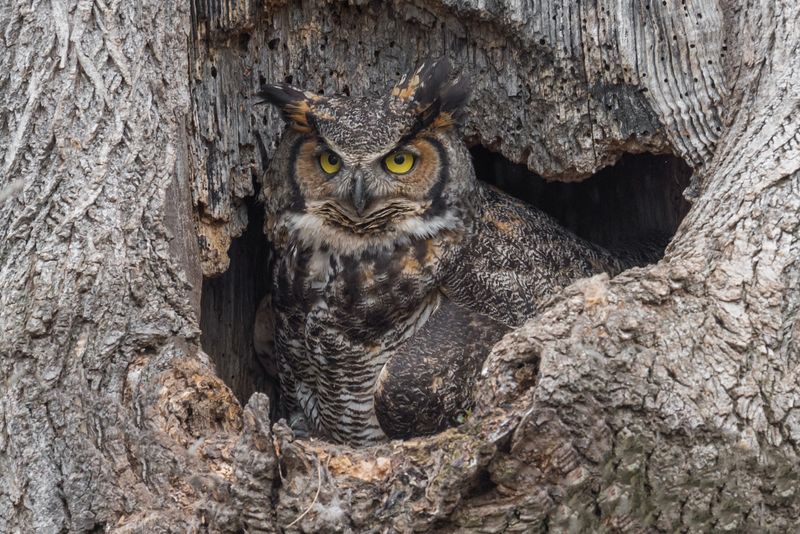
(312,116)
(416,128)
(323,145)
(435,121)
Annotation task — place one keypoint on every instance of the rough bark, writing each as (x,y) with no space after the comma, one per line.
(563,87)
(663,399)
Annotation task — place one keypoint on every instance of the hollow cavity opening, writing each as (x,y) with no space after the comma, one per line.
(622,205)
(639,199)
(229,305)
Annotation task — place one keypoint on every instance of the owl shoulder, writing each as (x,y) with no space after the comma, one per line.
(515,257)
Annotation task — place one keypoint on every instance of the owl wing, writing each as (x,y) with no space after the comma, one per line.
(516,257)
(427,384)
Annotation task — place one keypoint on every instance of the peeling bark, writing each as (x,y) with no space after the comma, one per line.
(663,399)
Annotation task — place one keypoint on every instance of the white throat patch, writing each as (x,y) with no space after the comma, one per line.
(313,231)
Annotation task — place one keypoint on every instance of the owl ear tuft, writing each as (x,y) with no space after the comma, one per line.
(438,99)
(295,105)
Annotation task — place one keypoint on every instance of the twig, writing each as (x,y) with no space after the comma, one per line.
(316,496)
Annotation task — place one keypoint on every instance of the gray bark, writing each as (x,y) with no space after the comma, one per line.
(663,399)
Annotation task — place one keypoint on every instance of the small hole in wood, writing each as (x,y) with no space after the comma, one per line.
(244,41)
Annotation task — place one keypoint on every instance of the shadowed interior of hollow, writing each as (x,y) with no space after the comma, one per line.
(639,197)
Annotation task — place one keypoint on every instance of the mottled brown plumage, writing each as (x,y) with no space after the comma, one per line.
(392,281)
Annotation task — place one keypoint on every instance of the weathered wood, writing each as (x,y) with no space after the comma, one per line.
(564,87)
(663,399)
(105,402)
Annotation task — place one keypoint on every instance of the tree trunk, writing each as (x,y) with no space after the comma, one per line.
(664,399)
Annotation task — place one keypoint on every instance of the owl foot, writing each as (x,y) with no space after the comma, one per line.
(299,425)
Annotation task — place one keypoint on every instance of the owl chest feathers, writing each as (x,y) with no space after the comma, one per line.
(368,297)
(339,316)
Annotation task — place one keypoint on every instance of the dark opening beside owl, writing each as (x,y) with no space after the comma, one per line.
(396,270)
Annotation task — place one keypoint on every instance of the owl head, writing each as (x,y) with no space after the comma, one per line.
(355,172)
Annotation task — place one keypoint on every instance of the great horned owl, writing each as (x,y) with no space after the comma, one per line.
(396,270)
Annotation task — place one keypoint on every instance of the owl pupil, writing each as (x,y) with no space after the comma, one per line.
(333,159)
(399,159)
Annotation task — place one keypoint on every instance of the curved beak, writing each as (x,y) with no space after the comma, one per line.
(359,192)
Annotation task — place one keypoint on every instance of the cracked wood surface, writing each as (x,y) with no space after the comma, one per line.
(664,399)
(564,87)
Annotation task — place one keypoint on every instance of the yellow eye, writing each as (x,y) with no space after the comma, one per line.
(399,162)
(330,162)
